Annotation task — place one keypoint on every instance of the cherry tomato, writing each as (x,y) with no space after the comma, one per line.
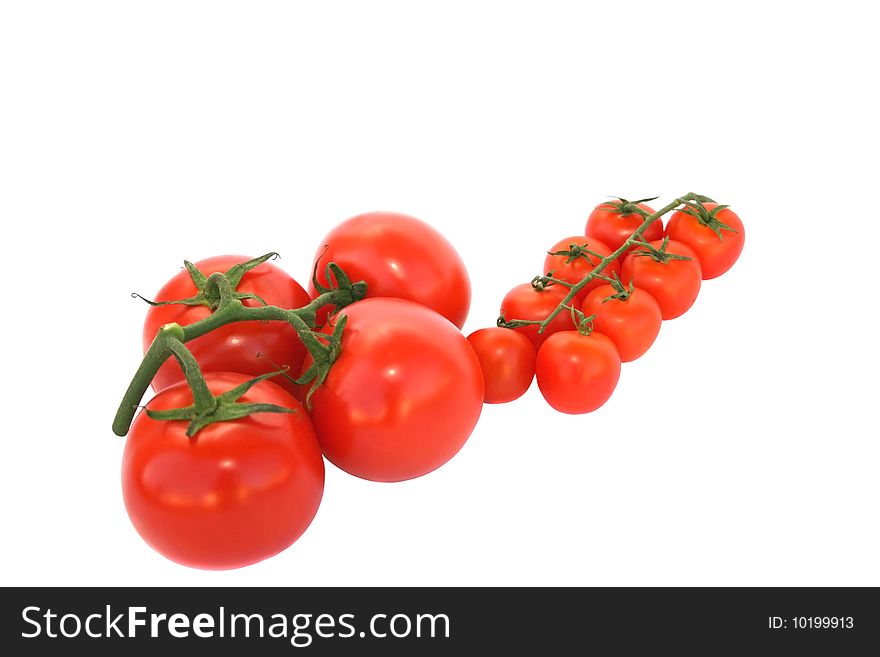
(248,347)
(525,302)
(577,373)
(235,493)
(610,225)
(673,284)
(631,319)
(507,359)
(574,271)
(402,397)
(398,256)
(717,251)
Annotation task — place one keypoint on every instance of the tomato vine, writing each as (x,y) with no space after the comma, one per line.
(218,291)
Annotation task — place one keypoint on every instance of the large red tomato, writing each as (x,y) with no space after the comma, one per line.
(402,397)
(611,223)
(674,284)
(507,359)
(577,373)
(574,271)
(717,238)
(235,493)
(248,347)
(525,302)
(398,256)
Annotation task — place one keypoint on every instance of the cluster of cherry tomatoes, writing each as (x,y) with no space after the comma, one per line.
(616,316)
(406,388)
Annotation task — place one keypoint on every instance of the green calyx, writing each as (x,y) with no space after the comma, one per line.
(621,293)
(208,289)
(624,207)
(660,255)
(575,251)
(208,409)
(338,280)
(707,217)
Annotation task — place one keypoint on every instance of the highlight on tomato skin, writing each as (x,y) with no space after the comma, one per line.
(234,494)
(577,373)
(404,395)
(397,256)
(507,359)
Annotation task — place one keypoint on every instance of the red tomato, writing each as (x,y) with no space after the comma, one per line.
(507,359)
(673,284)
(608,224)
(398,256)
(403,396)
(574,271)
(248,347)
(717,251)
(631,321)
(235,493)
(577,373)
(525,302)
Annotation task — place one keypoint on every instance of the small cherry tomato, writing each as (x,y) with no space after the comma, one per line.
(525,302)
(402,397)
(613,222)
(674,283)
(716,236)
(578,262)
(235,493)
(577,373)
(630,318)
(507,359)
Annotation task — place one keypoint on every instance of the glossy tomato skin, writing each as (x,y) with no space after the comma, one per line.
(577,373)
(525,302)
(234,494)
(575,270)
(248,347)
(609,226)
(507,359)
(632,324)
(398,256)
(716,255)
(404,395)
(674,284)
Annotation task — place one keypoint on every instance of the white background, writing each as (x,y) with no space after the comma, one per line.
(742,449)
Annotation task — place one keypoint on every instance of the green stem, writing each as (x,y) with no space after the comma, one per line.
(203,399)
(229,310)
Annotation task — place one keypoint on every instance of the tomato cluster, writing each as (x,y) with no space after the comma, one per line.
(603,299)
(258,379)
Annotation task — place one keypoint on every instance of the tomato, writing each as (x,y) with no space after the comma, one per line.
(507,359)
(631,319)
(525,302)
(235,493)
(248,347)
(577,373)
(402,397)
(574,271)
(674,284)
(398,256)
(716,247)
(613,227)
